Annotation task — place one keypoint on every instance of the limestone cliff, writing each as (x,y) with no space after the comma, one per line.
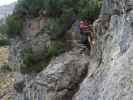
(112,78)
(106,75)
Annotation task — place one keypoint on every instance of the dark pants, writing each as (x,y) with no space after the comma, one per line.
(84,40)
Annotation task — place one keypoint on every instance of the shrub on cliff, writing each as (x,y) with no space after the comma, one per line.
(55,49)
(3,28)
(14,25)
(32,63)
(5,68)
(3,36)
(52,7)
(88,8)
(29,62)
(85,8)
(29,7)
(4,42)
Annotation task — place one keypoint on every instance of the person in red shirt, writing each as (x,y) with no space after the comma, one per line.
(83,25)
(84,32)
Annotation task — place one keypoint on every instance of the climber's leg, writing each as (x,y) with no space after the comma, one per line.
(86,47)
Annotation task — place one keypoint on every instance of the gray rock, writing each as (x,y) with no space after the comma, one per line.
(112,79)
(59,81)
(30,38)
(108,75)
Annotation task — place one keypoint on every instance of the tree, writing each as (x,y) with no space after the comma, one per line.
(14,25)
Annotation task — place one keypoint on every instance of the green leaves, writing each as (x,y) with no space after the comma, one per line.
(3,28)
(14,25)
(32,63)
(82,8)
(29,7)
(55,49)
(89,8)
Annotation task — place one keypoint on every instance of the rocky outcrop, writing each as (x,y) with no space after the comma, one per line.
(106,76)
(112,80)
(30,38)
(59,81)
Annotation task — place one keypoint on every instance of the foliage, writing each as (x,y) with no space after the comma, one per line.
(4,42)
(5,68)
(62,13)
(14,25)
(55,49)
(33,7)
(3,36)
(3,28)
(32,63)
(53,7)
(29,62)
(82,8)
(89,8)
(29,7)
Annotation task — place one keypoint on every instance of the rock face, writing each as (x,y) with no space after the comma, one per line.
(31,37)
(112,80)
(59,81)
(108,75)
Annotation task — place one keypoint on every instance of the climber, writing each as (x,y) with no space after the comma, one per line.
(85,34)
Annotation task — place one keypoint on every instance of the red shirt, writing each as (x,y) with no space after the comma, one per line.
(83,25)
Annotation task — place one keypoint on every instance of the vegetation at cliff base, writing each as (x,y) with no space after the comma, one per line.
(5,68)
(89,8)
(32,63)
(13,25)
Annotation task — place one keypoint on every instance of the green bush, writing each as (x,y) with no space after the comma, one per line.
(4,42)
(53,7)
(3,39)
(83,8)
(3,29)
(5,68)
(33,7)
(29,7)
(55,49)
(89,8)
(14,25)
(62,13)
(3,36)
(54,28)
(32,63)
